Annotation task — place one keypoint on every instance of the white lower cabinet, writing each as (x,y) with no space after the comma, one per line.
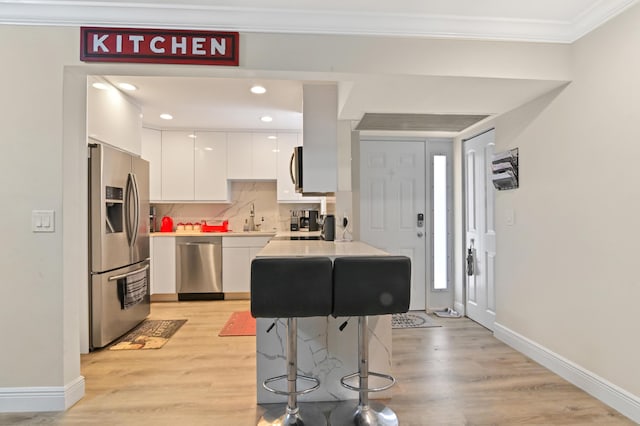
(163,265)
(237,254)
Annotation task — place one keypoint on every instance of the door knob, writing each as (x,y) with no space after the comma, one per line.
(420,234)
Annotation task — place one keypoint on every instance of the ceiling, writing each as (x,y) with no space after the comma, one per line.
(225,103)
(540,20)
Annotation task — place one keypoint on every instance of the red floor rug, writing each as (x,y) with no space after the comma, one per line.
(239,324)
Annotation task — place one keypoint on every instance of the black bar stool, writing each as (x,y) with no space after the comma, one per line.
(364,286)
(291,288)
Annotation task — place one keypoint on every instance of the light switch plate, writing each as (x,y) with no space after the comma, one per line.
(43,221)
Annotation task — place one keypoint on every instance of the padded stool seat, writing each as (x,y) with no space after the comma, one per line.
(291,287)
(364,286)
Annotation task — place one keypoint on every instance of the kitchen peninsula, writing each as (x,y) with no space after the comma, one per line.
(324,351)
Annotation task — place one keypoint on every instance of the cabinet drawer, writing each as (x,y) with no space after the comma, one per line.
(245,241)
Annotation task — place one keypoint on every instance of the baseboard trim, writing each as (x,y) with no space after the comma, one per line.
(43,398)
(164,297)
(610,394)
(237,296)
(460,308)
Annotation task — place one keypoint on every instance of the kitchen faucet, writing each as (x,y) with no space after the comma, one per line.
(252,223)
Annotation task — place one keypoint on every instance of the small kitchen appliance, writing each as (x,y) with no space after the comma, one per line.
(295,225)
(167,224)
(328,232)
(308,220)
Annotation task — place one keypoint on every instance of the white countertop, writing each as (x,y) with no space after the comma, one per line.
(212,234)
(307,248)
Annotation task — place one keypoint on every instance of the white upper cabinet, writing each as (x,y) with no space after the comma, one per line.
(320,131)
(265,155)
(152,152)
(177,166)
(211,166)
(251,156)
(239,155)
(112,118)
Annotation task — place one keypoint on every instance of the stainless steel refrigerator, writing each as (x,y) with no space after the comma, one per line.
(119,281)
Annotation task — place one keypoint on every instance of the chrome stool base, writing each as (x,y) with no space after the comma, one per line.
(309,416)
(373,414)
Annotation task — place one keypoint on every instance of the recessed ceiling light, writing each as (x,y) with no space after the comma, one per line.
(192,136)
(208,148)
(266,119)
(272,137)
(127,86)
(166,116)
(258,90)
(101,86)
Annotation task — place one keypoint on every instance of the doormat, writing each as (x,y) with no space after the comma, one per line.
(150,334)
(239,324)
(447,313)
(412,319)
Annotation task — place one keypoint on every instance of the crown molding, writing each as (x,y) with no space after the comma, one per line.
(300,21)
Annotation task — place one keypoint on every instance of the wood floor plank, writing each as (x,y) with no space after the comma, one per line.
(457,374)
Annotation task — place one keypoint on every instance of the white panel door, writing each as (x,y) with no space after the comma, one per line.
(239,154)
(210,174)
(480,229)
(177,165)
(392,194)
(264,156)
(152,152)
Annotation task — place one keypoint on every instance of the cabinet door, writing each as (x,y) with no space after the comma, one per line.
(152,152)
(239,154)
(264,155)
(163,264)
(236,269)
(177,165)
(320,129)
(210,182)
(112,118)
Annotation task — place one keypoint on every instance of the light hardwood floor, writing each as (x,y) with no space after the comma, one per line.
(457,374)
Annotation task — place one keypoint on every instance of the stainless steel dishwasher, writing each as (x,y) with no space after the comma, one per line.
(199,270)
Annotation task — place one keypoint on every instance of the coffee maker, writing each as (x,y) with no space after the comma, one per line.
(308,220)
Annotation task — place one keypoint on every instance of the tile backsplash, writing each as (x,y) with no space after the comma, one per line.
(263,195)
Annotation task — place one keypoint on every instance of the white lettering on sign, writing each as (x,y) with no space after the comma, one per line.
(182,45)
(136,39)
(98,43)
(154,44)
(218,46)
(196,46)
(119,43)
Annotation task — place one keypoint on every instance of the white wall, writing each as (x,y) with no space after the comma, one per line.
(42,167)
(38,333)
(567,269)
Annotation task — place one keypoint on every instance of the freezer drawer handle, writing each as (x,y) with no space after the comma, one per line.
(121,276)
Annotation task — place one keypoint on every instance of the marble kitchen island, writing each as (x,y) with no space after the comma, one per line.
(324,351)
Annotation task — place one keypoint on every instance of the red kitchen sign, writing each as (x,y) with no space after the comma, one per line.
(159,46)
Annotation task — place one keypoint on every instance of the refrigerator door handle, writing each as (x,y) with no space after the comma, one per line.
(136,209)
(121,276)
(127,210)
